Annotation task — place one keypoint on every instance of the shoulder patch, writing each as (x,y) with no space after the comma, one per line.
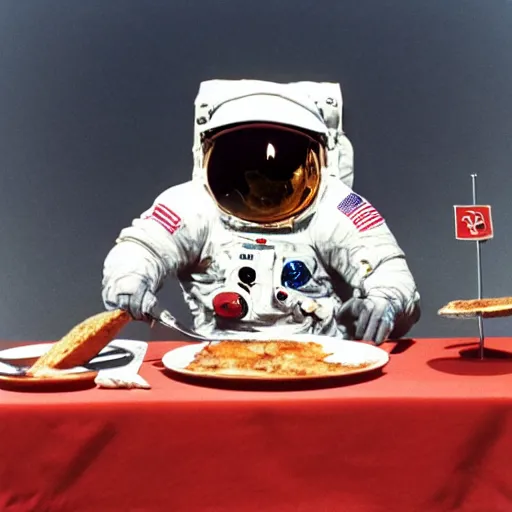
(168,219)
(360,212)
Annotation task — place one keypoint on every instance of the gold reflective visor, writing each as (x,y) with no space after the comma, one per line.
(263,173)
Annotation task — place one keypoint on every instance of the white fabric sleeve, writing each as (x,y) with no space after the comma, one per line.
(362,250)
(164,239)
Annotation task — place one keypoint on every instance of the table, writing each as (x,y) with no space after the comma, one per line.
(432,432)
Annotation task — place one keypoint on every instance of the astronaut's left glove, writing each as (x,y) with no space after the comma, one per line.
(374,318)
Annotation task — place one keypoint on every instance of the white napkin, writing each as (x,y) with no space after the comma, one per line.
(125,377)
(121,380)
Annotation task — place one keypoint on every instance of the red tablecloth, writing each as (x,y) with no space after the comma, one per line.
(433,432)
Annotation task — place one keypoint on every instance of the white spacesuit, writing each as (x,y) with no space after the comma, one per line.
(267,224)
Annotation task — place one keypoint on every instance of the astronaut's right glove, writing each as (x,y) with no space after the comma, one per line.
(374,318)
(133,293)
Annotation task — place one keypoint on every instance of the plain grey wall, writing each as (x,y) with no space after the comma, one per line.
(96,119)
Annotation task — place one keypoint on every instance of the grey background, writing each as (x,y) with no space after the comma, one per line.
(96,119)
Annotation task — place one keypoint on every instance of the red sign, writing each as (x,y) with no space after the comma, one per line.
(473,222)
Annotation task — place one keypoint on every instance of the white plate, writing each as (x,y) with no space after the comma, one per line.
(26,355)
(342,351)
(25,351)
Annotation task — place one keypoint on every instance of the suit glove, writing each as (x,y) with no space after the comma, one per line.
(374,318)
(133,293)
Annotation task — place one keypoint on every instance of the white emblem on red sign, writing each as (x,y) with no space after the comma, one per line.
(473,222)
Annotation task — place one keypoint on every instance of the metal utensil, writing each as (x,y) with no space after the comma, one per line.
(111,359)
(28,361)
(164,317)
(13,371)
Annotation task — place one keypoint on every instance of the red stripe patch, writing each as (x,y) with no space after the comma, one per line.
(168,219)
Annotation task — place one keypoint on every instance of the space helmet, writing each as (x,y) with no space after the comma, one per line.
(264,151)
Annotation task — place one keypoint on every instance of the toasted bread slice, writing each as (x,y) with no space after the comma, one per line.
(470,308)
(82,343)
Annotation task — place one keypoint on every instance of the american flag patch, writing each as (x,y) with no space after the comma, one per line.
(362,214)
(165,217)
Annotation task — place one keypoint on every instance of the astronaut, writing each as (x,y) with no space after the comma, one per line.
(269,226)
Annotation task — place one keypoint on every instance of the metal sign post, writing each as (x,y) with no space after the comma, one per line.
(479,275)
(474,223)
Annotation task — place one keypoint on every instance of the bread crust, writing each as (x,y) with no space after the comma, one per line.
(82,343)
(492,307)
